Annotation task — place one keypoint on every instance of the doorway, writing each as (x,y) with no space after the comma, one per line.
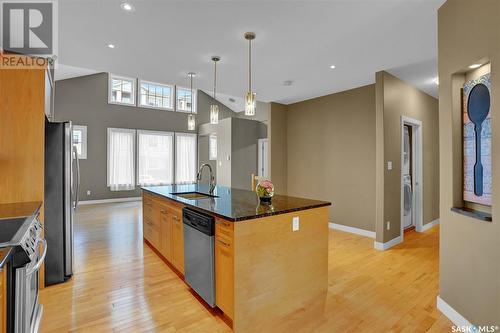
(411,174)
(263,158)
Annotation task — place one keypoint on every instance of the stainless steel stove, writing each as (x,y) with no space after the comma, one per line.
(30,250)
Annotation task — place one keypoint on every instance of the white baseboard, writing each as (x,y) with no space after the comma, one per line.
(427,226)
(384,246)
(92,202)
(352,230)
(455,317)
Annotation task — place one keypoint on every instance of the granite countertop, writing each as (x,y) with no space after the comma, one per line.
(14,221)
(234,204)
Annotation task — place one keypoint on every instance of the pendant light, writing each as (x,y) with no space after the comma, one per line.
(250,98)
(191,118)
(214,108)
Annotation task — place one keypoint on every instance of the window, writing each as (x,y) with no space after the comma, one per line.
(80,141)
(155,95)
(155,158)
(185,158)
(121,159)
(121,90)
(212,147)
(184,100)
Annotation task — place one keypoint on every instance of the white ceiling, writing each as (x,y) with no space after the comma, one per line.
(162,40)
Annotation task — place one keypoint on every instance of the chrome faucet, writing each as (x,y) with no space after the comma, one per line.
(212,178)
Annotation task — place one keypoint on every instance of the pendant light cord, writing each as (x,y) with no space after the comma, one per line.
(250,65)
(215,77)
(191,76)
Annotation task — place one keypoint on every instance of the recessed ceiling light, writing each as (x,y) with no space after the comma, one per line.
(474,66)
(111,46)
(436,81)
(127,7)
(332,66)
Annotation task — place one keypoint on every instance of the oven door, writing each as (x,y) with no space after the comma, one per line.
(28,312)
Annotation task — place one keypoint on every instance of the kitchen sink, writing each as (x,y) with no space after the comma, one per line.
(194,195)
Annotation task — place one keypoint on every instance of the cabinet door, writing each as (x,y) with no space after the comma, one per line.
(224,275)
(178,240)
(165,233)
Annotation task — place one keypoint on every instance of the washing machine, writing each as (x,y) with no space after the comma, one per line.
(408,202)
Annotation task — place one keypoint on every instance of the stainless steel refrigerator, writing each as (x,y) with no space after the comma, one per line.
(62,177)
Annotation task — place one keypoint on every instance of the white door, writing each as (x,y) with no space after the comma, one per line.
(263,158)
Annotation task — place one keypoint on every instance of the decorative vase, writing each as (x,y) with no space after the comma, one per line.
(265,190)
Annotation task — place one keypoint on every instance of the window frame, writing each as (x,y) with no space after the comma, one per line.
(110,89)
(195,135)
(134,156)
(83,129)
(210,156)
(173,156)
(173,99)
(194,100)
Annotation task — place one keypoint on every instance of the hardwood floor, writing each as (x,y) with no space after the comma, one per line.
(120,285)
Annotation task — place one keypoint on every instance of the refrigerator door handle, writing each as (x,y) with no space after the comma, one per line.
(77,180)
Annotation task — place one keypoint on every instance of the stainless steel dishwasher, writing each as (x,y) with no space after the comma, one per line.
(199,266)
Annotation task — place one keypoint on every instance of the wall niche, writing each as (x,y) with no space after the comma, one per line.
(476,168)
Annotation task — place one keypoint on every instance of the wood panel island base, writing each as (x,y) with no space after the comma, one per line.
(269,277)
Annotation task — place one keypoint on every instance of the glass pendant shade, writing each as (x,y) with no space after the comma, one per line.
(191,122)
(214,114)
(250,104)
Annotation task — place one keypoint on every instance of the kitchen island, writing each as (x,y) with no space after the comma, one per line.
(271,260)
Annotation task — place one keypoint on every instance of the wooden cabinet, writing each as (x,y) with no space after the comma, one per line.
(224,267)
(163,228)
(3,299)
(166,233)
(177,239)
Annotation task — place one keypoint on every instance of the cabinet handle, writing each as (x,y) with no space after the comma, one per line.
(163,211)
(224,243)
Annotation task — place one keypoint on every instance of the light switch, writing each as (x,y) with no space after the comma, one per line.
(389,165)
(295,223)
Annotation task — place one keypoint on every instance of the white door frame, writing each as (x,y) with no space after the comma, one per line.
(260,144)
(417,179)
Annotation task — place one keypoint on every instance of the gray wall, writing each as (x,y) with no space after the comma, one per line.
(244,136)
(84,100)
(237,140)
(330,153)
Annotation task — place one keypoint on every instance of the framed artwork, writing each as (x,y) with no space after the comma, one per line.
(477,140)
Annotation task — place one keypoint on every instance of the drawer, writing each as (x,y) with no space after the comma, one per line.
(176,214)
(152,235)
(146,231)
(224,228)
(154,224)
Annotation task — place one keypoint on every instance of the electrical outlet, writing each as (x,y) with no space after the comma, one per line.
(389,165)
(88,192)
(388,225)
(296,223)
